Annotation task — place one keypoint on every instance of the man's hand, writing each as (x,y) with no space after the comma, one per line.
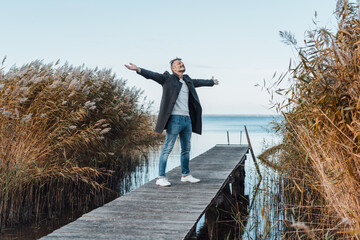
(132,67)
(216,82)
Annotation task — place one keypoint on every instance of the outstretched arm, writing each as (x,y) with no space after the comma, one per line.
(201,82)
(157,77)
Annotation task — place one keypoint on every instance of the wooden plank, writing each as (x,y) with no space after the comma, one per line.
(153,212)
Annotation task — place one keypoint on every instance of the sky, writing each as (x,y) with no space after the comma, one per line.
(236,41)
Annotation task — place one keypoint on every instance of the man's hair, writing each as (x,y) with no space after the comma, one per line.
(172,61)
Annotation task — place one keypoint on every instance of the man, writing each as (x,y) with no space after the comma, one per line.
(180,114)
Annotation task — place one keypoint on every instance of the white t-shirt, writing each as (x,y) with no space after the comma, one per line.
(181,106)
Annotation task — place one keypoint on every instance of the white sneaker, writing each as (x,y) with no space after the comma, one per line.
(190,178)
(163,182)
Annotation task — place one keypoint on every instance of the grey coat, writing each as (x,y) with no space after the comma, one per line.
(171,89)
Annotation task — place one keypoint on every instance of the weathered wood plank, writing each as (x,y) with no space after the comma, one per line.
(153,212)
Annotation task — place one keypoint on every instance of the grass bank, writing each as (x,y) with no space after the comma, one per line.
(319,158)
(64,132)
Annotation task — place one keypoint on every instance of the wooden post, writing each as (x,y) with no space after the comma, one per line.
(228,137)
(252,153)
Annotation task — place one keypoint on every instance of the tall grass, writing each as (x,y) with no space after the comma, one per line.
(63,132)
(320,153)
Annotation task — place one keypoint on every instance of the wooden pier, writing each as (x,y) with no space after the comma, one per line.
(153,212)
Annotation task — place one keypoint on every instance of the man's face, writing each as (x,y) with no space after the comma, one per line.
(178,66)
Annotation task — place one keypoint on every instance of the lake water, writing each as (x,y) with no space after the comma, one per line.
(215,129)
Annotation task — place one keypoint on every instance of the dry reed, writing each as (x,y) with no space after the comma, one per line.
(63,130)
(320,153)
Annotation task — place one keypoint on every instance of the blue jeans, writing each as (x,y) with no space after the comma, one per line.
(177,125)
